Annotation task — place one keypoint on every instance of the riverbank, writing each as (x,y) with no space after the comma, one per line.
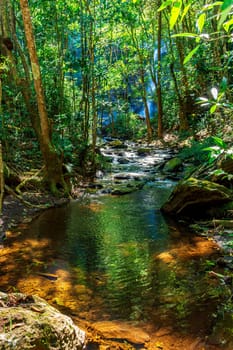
(16,212)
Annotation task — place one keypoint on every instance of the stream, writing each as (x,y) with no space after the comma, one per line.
(113,257)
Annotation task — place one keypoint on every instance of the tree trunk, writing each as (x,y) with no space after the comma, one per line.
(158,88)
(53,164)
(1,161)
(143,84)
(146,109)
(184,125)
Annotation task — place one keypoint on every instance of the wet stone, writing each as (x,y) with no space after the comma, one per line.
(28,322)
(122,331)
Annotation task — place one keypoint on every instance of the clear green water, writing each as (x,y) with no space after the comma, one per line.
(116,245)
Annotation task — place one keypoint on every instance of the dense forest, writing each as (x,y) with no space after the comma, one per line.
(151,81)
(75,71)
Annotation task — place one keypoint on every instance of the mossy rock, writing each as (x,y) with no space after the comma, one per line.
(28,322)
(143,151)
(173,165)
(128,187)
(117,144)
(196,198)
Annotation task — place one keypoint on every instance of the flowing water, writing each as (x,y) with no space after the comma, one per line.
(116,258)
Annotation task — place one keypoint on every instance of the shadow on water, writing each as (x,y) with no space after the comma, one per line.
(115,258)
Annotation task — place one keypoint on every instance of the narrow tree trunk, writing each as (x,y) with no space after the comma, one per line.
(184,125)
(146,109)
(1,180)
(52,162)
(1,161)
(143,85)
(158,89)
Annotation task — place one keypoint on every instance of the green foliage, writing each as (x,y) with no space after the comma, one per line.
(218,147)
(123,38)
(205,151)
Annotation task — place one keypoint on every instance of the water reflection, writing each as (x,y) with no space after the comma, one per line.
(117,258)
(123,256)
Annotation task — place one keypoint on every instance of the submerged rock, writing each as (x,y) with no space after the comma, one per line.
(194,197)
(126,188)
(173,165)
(28,322)
(117,144)
(143,151)
(122,331)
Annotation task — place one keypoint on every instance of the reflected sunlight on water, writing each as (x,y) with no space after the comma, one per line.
(115,259)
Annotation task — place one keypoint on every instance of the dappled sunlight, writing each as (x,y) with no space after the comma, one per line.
(94,206)
(196,247)
(102,269)
(116,261)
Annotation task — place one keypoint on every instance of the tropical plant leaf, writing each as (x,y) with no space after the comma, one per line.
(213,108)
(201,22)
(175,12)
(226,4)
(219,142)
(187,7)
(227,25)
(187,35)
(190,55)
(224,84)
(225,10)
(165,5)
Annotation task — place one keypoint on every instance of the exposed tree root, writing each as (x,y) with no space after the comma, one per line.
(26,203)
(23,183)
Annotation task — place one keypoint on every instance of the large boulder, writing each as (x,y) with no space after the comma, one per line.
(193,197)
(29,323)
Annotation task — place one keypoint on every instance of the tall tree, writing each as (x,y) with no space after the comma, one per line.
(53,163)
(158,85)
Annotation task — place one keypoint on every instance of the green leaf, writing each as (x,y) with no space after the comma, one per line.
(225,10)
(185,11)
(213,108)
(175,13)
(190,55)
(218,172)
(187,35)
(219,142)
(226,4)
(211,149)
(223,84)
(210,6)
(165,5)
(201,21)
(227,25)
